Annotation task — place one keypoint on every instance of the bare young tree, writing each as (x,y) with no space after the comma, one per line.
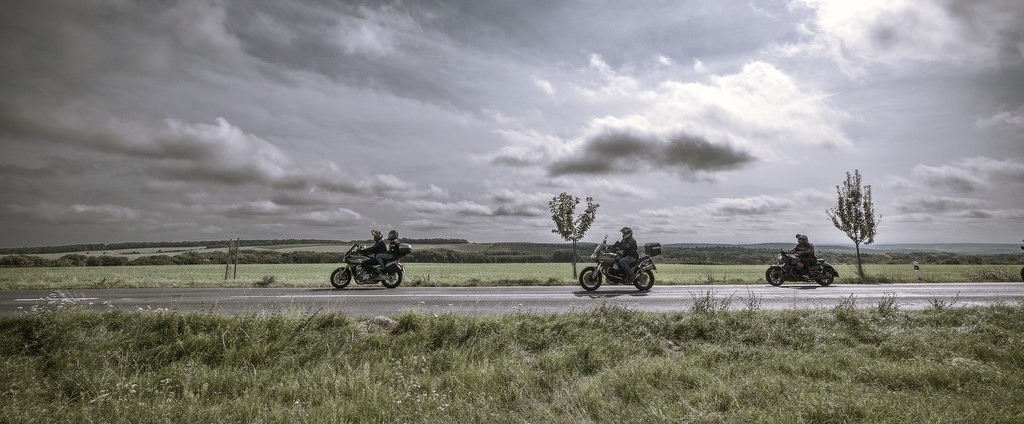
(854,214)
(570,226)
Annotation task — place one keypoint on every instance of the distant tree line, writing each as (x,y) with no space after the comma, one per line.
(736,255)
(506,253)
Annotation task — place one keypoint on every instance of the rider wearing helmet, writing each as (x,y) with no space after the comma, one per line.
(377,248)
(630,255)
(392,249)
(805,251)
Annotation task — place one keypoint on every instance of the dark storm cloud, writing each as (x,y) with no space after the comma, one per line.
(618,152)
(935,204)
(218,153)
(976,17)
(972,175)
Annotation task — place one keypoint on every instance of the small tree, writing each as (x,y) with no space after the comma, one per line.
(854,214)
(570,226)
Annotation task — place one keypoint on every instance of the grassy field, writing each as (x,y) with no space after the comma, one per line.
(424,274)
(606,365)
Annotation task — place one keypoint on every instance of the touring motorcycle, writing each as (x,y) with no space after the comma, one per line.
(791,268)
(390,275)
(608,268)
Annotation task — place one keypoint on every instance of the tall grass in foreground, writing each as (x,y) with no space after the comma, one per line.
(608,364)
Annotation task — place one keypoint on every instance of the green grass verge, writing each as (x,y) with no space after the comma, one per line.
(607,364)
(442,275)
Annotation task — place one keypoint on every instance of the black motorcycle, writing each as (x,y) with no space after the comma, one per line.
(608,268)
(390,275)
(791,268)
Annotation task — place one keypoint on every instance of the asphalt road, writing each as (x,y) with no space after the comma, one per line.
(376,300)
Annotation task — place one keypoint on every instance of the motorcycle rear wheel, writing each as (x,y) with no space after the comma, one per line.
(775,275)
(393,280)
(589,279)
(644,281)
(341,277)
(824,282)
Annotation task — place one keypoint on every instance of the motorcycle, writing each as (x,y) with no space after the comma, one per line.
(390,275)
(608,268)
(791,268)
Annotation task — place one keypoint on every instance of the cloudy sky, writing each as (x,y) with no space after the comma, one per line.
(691,121)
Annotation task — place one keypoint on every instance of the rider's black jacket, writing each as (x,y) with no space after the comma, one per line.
(393,247)
(378,247)
(628,247)
(804,250)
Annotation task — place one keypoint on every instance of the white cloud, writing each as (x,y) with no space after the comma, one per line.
(613,84)
(373,32)
(758,110)
(1008,121)
(464,208)
(544,86)
(220,151)
(907,34)
(339,216)
(698,66)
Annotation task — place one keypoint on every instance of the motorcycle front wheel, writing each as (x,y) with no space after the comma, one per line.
(589,279)
(644,281)
(774,275)
(341,277)
(393,280)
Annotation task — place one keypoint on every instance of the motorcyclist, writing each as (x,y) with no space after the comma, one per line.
(804,251)
(630,255)
(391,251)
(378,247)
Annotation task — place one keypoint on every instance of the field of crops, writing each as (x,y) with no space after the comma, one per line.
(425,274)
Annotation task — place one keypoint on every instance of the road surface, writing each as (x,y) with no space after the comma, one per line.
(375,300)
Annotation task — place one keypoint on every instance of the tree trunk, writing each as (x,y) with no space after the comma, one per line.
(574,259)
(860,267)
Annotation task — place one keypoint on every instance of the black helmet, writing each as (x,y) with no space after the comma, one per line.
(626,231)
(392,235)
(801,237)
(376,235)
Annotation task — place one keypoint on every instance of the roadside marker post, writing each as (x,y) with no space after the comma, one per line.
(232,258)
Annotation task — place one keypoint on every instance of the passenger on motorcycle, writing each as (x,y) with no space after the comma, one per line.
(804,251)
(377,248)
(392,249)
(630,255)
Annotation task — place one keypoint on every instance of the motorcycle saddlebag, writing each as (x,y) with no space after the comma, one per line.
(652,249)
(392,268)
(404,249)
